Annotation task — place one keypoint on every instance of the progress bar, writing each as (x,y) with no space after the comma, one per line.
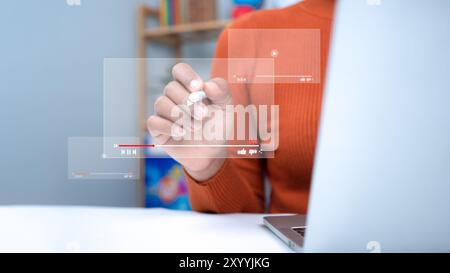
(283,76)
(187,145)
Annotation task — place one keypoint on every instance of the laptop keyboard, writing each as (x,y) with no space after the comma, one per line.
(300,230)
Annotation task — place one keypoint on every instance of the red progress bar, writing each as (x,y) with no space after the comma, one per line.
(136,145)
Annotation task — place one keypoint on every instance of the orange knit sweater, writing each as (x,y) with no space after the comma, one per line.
(239,184)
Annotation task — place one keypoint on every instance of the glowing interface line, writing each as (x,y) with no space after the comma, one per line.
(186,145)
(283,76)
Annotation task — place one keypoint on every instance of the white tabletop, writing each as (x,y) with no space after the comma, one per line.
(93,229)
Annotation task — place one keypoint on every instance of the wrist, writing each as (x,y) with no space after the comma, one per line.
(207,173)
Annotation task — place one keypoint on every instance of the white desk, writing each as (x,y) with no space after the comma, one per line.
(92,229)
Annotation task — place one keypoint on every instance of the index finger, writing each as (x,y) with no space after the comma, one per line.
(184,74)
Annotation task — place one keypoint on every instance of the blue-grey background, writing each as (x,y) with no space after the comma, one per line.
(51,57)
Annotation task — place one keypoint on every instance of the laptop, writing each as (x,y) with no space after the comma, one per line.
(381,178)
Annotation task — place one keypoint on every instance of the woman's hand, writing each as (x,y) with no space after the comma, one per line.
(201,160)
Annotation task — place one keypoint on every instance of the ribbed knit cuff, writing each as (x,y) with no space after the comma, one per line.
(224,192)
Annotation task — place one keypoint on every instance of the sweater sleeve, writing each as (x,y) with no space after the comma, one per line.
(238,186)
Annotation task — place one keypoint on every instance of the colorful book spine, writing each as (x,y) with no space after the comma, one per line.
(170,12)
(175,12)
(162,13)
(183,11)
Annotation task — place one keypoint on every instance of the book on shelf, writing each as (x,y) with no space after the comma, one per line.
(176,12)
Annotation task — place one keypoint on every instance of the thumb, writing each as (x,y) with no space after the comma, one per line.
(218,92)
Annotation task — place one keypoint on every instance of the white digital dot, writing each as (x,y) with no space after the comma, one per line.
(274,53)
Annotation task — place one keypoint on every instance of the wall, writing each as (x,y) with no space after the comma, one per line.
(51,57)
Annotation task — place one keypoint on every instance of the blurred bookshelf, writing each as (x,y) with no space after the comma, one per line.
(173,33)
(174,30)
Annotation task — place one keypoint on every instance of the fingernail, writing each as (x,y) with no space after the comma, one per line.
(196,84)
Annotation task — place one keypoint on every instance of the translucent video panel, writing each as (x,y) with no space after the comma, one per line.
(295,52)
(195,108)
(86,161)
